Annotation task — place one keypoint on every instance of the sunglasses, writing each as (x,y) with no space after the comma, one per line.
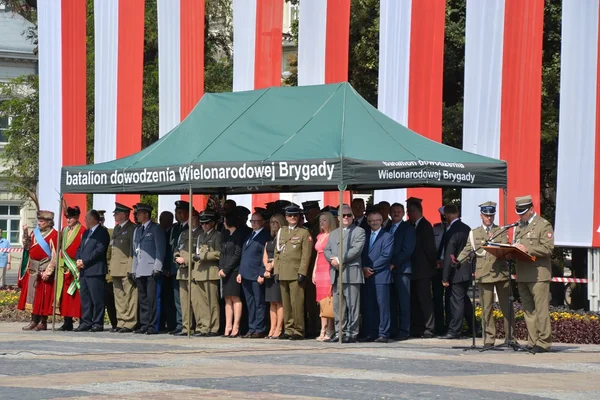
(347,215)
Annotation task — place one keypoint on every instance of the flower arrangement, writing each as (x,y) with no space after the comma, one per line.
(8,306)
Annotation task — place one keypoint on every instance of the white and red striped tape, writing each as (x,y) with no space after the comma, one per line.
(15,250)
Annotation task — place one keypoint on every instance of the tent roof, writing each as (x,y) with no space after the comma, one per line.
(297,139)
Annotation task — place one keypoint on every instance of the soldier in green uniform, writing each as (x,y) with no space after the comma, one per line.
(490,272)
(182,259)
(205,276)
(293,251)
(535,236)
(120,258)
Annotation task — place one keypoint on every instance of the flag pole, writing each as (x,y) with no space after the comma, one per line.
(190,263)
(58,249)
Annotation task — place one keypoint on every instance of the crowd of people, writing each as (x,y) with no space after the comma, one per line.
(402,277)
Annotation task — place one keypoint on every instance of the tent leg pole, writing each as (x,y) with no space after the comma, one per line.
(340,268)
(505,222)
(58,249)
(190,232)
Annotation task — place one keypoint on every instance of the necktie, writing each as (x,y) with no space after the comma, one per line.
(373,237)
(356,223)
(393,230)
(251,237)
(88,237)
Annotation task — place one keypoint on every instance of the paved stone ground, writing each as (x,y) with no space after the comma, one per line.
(47,365)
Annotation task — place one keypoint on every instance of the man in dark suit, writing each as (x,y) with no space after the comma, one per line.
(251,276)
(91,262)
(404,245)
(376,256)
(457,279)
(423,267)
(358,209)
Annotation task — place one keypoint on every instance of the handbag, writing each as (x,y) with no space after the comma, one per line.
(326,305)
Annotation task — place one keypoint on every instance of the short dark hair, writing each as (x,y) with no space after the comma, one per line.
(231,219)
(415,206)
(450,209)
(94,214)
(358,199)
(383,203)
(398,205)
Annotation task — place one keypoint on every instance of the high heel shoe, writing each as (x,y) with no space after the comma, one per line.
(322,335)
(236,335)
(276,335)
(227,333)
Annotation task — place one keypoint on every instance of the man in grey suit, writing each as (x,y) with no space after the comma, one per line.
(354,240)
(149,246)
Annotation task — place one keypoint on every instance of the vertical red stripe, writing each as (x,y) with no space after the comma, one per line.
(130,76)
(520,120)
(267,60)
(425,85)
(596,216)
(337,46)
(73,42)
(191,42)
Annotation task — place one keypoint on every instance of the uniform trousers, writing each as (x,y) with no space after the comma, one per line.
(461,308)
(125,295)
(486,296)
(255,301)
(205,296)
(148,292)
(535,297)
(177,301)
(422,317)
(350,308)
(292,296)
(92,301)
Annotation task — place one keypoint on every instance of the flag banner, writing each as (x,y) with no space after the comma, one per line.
(502,104)
(579,127)
(411,58)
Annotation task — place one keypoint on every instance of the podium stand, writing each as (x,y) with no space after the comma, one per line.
(509,253)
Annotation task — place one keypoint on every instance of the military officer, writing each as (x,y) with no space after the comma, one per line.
(182,213)
(181,255)
(490,272)
(205,276)
(535,236)
(311,211)
(119,269)
(292,257)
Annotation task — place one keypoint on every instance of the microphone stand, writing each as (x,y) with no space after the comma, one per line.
(472,257)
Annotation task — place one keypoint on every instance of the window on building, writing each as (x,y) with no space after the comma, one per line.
(294,12)
(10,222)
(4,122)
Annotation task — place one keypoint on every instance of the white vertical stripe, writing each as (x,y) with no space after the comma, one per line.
(577,122)
(244,44)
(394,72)
(169,78)
(106,42)
(50,92)
(483,94)
(311,42)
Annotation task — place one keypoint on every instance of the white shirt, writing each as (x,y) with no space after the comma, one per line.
(145,224)
(417,223)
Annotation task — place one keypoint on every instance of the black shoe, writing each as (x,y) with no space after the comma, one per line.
(366,339)
(97,329)
(211,334)
(401,338)
(427,335)
(199,334)
(296,337)
(488,345)
(247,335)
(66,328)
(113,330)
(284,336)
(140,331)
(175,332)
(333,339)
(182,333)
(151,332)
(125,330)
(449,336)
(382,339)
(538,349)
(349,340)
(82,328)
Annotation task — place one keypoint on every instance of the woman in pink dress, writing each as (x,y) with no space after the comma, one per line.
(320,277)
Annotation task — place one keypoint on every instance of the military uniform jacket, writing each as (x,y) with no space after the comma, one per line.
(181,250)
(488,268)
(121,250)
(293,249)
(174,232)
(208,247)
(538,238)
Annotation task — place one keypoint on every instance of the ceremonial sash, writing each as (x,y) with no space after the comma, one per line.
(67,261)
(41,242)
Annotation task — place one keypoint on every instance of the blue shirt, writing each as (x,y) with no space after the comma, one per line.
(4,244)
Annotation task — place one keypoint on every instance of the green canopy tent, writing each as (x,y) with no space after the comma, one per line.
(288,139)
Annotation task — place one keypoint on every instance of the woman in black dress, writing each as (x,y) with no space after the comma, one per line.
(229,262)
(272,288)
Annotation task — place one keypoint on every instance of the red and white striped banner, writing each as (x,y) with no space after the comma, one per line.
(180,71)
(502,105)
(411,59)
(323,47)
(62,108)
(119,68)
(578,181)
(257,61)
